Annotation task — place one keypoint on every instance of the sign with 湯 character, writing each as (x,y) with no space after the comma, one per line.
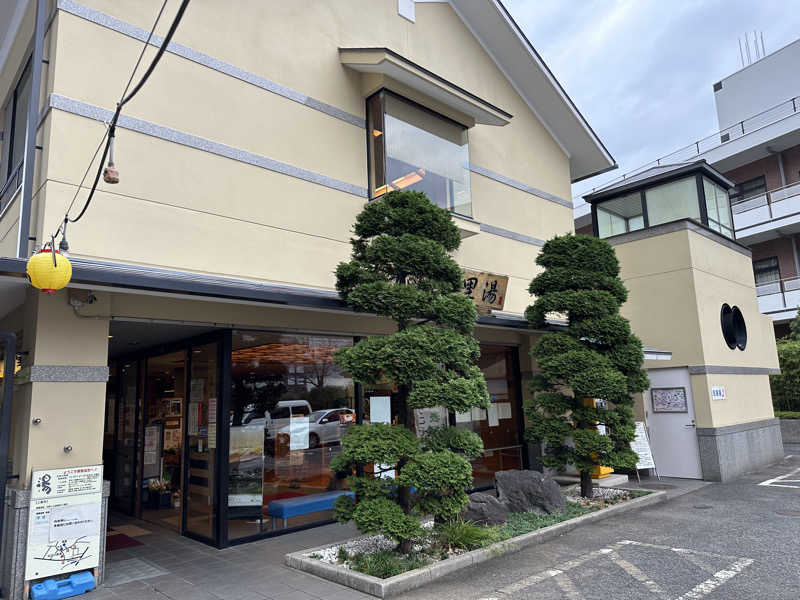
(487,291)
(64,526)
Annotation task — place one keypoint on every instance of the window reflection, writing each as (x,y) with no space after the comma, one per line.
(290,406)
(416,149)
(620,215)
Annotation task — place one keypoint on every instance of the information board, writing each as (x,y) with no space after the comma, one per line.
(641,445)
(64,521)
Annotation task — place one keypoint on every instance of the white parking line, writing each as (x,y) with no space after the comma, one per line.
(783,479)
(559,573)
(712,583)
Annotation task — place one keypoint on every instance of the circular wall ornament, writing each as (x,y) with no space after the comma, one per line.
(734,329)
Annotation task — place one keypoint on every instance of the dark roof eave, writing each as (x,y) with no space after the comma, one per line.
(121,276)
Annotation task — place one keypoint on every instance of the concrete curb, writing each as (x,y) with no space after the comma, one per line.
(383,588)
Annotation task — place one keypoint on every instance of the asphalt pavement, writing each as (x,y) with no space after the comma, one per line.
(738,540)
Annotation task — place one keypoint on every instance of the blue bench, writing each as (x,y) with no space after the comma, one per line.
(303,505)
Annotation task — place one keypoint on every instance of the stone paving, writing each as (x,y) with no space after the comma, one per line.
(170,567)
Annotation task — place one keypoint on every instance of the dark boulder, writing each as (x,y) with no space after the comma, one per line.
(484,508)
(528,491)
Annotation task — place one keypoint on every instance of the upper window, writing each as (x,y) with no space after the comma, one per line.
(766,270)
(672,201)
(620,215)
(411,147)
(15,118)
(748,189)
(718,208)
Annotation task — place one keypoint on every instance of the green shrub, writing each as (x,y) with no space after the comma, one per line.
(786,386)
(787,414)
(387,563)
(465,535)
(521,523)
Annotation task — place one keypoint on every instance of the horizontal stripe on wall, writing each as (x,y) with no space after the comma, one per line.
(76,107)
(68,373)
(725,370)
(523,187)
(109,22)
(513,235)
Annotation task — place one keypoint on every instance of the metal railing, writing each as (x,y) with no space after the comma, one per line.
(778,295)
(10,187)
(766,207)
(715,140)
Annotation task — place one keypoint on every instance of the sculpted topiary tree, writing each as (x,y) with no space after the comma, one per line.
(595,357)
(401,269)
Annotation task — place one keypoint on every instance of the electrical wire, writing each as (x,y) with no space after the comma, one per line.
(108,136)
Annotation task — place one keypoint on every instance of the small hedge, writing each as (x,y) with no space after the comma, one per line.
(787,414)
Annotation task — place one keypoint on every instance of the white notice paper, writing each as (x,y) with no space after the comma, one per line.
(74,521)
(504,410)
(494,419)
(478,414)
(463,417)
(298,433)
(380,409)
(641,445)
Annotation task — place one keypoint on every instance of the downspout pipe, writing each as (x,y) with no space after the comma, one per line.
(29,167)
(8,345)
(779,155)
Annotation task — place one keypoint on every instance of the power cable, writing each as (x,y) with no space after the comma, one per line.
(109,135)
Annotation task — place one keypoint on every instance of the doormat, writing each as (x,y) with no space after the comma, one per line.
(129,570)
(131,530)
(118,541)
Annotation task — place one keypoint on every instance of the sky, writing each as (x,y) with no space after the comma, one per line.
(642,71)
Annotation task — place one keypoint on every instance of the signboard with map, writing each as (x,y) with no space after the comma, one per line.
(64,521)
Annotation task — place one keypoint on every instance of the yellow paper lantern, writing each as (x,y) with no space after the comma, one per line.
(45,275)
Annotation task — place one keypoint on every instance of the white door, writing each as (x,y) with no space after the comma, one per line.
(671,424)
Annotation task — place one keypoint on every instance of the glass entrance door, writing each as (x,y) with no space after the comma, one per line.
(125,445)
(164,427)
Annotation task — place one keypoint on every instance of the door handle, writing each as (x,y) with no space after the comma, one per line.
(692,424)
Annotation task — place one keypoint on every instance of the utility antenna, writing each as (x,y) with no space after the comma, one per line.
(763,49)
(741,52)
(747,47)
(755,41)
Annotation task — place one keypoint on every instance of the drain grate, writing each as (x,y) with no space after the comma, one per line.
(703,506)
(788,513)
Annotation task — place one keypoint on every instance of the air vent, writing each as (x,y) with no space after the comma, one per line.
(718,86)
(724,138)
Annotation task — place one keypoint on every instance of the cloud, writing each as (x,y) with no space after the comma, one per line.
(642,71)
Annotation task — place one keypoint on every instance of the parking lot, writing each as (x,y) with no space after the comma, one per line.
(729,541)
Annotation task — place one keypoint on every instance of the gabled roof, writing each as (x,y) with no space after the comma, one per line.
(515,56)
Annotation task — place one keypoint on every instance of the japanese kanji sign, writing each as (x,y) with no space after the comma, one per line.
(64,522)
(487,291)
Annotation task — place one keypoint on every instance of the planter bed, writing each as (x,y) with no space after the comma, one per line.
(322,561)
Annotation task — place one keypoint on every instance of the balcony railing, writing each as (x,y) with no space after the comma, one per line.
(779,295)
(715,140)
(10,187)
(769,206)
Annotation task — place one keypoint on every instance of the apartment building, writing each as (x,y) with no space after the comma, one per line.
(201,317)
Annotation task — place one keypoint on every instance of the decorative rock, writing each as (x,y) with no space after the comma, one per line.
(528,491)
(484,508)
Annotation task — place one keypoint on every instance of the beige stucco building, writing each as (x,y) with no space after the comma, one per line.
(692,293)
(202,315)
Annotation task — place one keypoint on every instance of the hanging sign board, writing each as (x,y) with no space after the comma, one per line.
(487,291)
(641,445)
(64,521)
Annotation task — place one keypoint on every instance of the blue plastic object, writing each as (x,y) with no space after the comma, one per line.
(50,589)
(292,507)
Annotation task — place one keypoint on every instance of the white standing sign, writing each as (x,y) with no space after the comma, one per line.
(64,521)
(641,445)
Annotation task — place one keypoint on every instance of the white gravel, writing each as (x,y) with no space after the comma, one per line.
(366,544)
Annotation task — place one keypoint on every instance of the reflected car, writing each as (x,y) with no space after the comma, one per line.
(324,426)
